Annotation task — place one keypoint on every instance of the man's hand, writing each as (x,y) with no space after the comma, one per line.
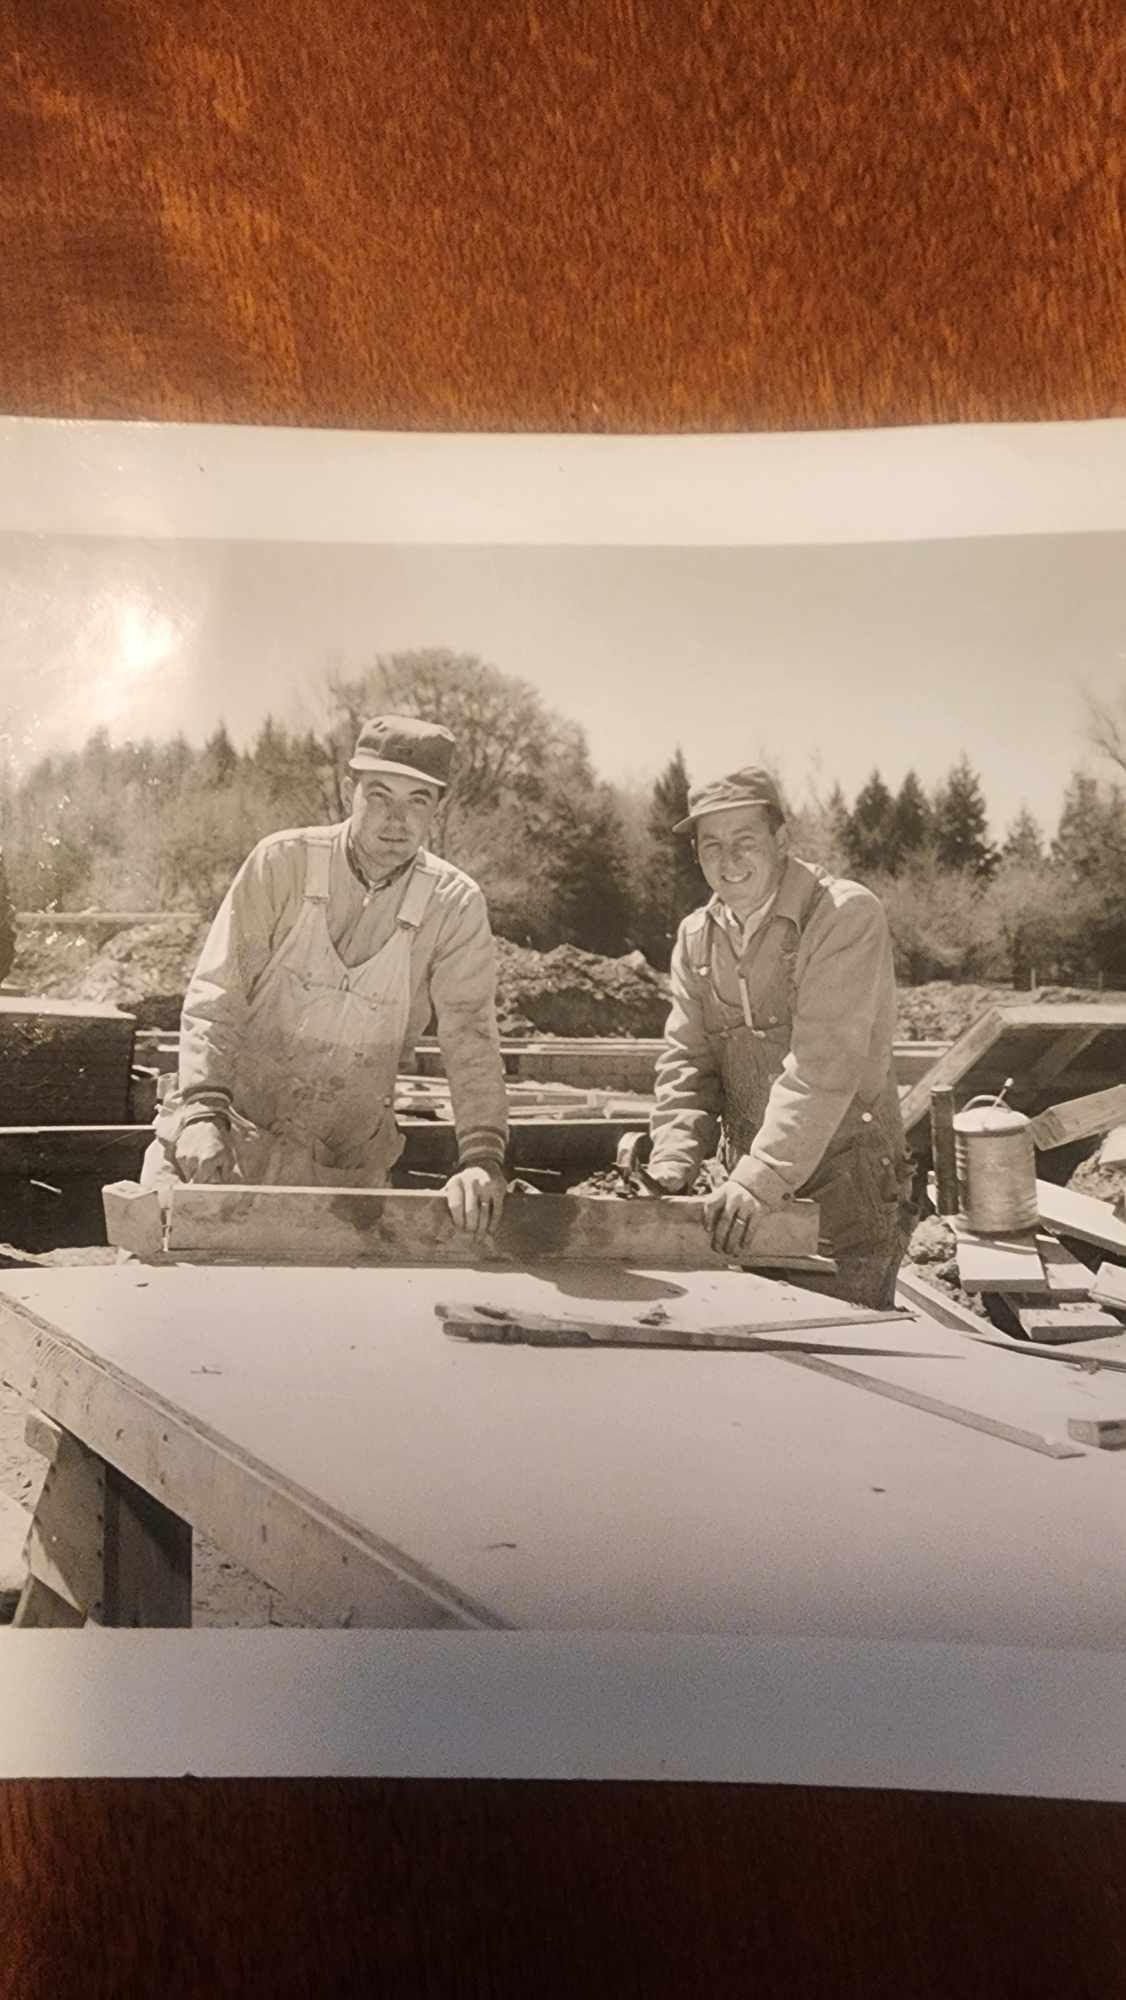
(730,1214)
(670,1178)
(475,1198)
(205,1152)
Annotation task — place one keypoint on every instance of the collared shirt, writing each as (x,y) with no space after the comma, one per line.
(742,929)
(453,975)
(840,1041)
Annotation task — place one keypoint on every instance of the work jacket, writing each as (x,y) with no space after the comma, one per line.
(452,975)
(781,1055)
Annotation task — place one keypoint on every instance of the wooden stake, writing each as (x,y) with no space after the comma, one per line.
(942,1149)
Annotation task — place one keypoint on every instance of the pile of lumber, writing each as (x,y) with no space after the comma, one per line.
(1034,1284)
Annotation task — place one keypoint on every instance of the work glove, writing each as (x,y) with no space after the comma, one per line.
(475,1198)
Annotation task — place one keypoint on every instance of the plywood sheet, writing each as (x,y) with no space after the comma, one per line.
(586,1490)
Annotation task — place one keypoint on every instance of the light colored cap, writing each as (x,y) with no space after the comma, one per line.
(751,786)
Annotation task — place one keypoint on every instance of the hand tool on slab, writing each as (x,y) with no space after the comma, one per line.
(495,1323)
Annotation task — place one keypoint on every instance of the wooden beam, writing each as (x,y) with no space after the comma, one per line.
(354,1226)
(1081,1216)
(66,1539)
(919,1293)
(1064,1052)
(943,1150)
(951,1067)
(1079,1118)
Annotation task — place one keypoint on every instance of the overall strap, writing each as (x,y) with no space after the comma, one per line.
(416,900)
(318,866)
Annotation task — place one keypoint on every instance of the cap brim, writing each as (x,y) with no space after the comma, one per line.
(400,770)
(722,806)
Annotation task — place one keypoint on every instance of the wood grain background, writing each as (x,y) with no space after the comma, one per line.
(642,214)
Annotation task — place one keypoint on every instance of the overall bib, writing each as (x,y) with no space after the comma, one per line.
(314,1086)
(862,1181)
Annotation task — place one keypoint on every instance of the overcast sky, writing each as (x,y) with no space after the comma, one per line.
(828,660)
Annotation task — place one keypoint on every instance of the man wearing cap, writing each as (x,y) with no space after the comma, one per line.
(779,1044)
(330,951)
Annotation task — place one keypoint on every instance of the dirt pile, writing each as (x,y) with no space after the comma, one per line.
(941,1010)
(143,968)
(571,992)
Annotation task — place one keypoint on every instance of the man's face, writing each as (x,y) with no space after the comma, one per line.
(741,859)
(391,817)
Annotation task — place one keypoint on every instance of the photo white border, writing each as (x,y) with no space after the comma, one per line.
(221,482)
(528,1705)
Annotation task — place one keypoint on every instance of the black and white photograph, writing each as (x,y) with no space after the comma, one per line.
(564,1086)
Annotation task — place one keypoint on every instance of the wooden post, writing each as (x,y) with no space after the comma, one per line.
(942,1150)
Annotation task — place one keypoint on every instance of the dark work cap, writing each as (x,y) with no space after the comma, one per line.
(749,787)
(406,744)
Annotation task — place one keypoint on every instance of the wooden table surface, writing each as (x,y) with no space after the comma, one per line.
(805,213)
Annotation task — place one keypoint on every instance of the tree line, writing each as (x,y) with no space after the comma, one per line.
(563,855)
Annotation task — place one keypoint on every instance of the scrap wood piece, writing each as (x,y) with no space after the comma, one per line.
(1059,1324)
(1108,1287)
(999,1263)
(134,1220)
(328,1225)
(1112,1152)
(531,1329)
(1079,1118)
(1107,1433)
(1069,1281)
(934,1406)
(1080,1216)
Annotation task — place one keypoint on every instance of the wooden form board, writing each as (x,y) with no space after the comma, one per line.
(338,1225)
(576,1490)
(1080,1044)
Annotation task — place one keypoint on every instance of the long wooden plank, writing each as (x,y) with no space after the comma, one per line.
(530,1329)
(1064,1054)
(1081,1216)
(1079,1118)
(355,1226)
(919,1293)
(1069,1281)
(952,1067)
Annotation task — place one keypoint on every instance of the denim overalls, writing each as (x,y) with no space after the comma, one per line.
(862,1181)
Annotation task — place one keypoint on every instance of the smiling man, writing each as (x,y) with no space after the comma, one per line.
(779,1045)
(329,954)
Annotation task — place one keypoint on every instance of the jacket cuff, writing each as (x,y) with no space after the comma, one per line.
(483,1147)
(762,1181)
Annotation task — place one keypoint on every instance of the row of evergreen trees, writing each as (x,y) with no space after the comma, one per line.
(562,855)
